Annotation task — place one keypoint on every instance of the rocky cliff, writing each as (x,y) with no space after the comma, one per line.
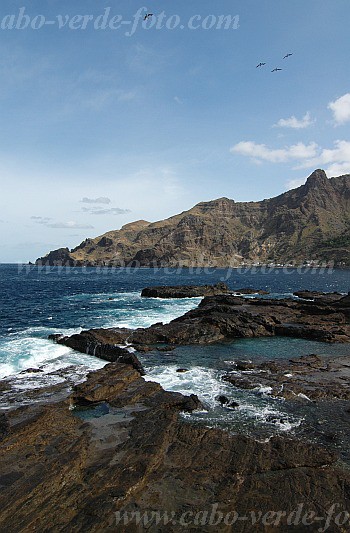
(311,222)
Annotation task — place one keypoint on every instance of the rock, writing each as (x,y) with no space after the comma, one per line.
(225,402)
(184,291)
(222,399)
(344,302)
(241,382)
(219,318)
(4,426)
(90,342)
(62,472)
(319,296)
(249,290)
(232,404)
(60,257)
(305,378)
(244,365)
(182,370)
(275,419)
(31,371)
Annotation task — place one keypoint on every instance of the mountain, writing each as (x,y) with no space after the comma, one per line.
(310,223)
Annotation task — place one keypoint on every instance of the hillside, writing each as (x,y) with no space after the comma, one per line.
(311,222)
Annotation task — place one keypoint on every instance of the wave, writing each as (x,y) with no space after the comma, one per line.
(253,408)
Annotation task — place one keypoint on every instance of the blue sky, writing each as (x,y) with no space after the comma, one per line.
(99,128)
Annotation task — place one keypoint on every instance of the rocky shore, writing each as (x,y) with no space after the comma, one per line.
(224,317)
(80,456)
(184,291)
(118,444)
(308,377)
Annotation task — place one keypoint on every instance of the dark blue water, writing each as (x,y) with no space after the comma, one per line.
(64,298)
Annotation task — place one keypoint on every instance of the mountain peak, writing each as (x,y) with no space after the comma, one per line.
(317,179)
(138,224)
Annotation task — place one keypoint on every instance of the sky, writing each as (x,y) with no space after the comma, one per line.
(107,118)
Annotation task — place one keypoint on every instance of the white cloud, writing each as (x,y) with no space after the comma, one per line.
(45,221)
(341,109)
(108,211)
(293,122)
(337,159)
(281,155)
(100,200)
(69,225)
(41,220)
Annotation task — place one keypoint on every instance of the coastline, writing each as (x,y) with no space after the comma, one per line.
(115,442)
(124,439)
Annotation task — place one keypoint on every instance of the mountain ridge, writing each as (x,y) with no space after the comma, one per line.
(308,223)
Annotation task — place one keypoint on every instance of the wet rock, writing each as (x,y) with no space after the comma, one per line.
(244,365)
(249,290)
(305,378)
(182,370)
(90,342)
(319,296)
(273,419)
(31,371)
(226,402)
(223,400)
(232,404)
(219,318)
(241,382)
(184,291)
(63,473)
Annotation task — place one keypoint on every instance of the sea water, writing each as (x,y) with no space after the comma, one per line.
(36,302)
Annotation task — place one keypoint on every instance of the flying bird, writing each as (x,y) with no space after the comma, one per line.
(276,69)
(148,16)
(260,65)
(287,55)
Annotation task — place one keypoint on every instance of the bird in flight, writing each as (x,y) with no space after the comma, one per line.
(148,16)
(276,69)
(260,65)
(287,55)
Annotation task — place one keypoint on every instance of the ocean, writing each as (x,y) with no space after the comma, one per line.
(36,302)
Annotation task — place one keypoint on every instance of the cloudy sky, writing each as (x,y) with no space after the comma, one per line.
(104,121)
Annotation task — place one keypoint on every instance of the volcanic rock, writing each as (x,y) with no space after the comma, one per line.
(303,378)
(68,470)
(224,317)
(184,291)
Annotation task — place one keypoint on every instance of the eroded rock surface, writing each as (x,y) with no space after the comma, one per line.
(68,470)
(223,317)
(311,377)
(184,291)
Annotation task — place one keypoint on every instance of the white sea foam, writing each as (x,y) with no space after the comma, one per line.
(204,382)
(269,415)
(28,350)
(145,316)
(207,385)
